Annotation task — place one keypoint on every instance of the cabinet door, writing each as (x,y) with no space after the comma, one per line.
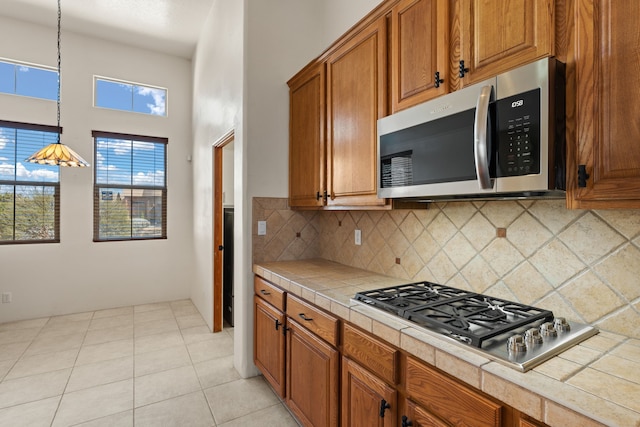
(268,345)
(365,398)
(356,99)
(307,138)
(420,417)
(449,399)
(419,50)
(607,123)
(312,378)
(496,36)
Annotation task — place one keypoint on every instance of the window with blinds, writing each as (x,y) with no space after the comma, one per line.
(29,193)
(130,187)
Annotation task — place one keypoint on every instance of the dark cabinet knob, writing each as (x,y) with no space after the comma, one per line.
(406,422)
(220,247)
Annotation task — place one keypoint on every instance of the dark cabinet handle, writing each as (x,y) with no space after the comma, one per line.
(437,80)
(583,176)
(308,319)
(406,422)
(383,407)
(462,70)
(318,195)
(263,292)
(220,248)
(278,324)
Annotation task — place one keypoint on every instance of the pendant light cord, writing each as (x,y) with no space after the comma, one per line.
(58,101)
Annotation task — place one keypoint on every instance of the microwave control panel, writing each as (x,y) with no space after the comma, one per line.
(518,134)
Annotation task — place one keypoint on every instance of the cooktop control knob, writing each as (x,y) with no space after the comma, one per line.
(532,336)
(561,324)
(515,344)
(547,330)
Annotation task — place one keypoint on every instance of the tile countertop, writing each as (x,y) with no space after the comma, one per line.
(595,383)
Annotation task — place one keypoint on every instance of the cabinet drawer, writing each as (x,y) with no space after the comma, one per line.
(269,292)
(375,355)
(312,318)
(449,399)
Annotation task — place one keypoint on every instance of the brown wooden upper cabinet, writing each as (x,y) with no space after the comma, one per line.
(356,99)
(307,137)
(419,52)
(607,127)
(406,52)
(495,36)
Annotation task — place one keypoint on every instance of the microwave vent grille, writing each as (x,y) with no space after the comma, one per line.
(397,171)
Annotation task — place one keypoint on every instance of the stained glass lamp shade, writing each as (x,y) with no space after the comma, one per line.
(58,153)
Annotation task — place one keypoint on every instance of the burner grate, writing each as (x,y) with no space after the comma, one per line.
(469,316)
(405,298)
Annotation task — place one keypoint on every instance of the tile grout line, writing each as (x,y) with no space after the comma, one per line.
(194,369)
(55,413)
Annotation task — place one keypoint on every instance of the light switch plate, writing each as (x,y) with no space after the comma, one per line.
(262,228)
(358,237)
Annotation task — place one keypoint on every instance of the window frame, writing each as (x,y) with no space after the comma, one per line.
(97,188)
(16,183)
(34,66)
(133,84)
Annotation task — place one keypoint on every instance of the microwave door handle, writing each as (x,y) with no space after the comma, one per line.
(480,148)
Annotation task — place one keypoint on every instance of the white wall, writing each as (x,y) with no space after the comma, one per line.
(246,54)
(78,274)
(340,15)
(217,108)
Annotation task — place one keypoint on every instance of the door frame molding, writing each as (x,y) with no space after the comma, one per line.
(218,219)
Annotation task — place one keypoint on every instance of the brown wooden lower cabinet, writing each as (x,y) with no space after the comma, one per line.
(416,416)
(524,422)
(300,354)
(312,377)
(268,344)
(367,401)
(448,399)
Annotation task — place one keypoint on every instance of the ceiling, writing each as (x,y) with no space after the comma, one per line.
(169,26)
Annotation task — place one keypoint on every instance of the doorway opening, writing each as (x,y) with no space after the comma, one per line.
(223,205)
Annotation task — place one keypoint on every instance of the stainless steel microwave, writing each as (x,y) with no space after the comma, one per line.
(503,137)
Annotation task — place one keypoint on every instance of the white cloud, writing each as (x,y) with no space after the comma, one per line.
(159,99)
(148,178)
(119,147)
(140,145)
(44,174)
(22,173)
(3,140)
(6,169)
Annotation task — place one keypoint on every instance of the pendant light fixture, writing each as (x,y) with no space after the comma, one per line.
(58,153)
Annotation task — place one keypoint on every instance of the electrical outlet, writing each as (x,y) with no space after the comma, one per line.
(358,237)
(6,297)
(262,228)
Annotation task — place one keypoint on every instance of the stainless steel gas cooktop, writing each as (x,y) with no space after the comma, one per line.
(515,334)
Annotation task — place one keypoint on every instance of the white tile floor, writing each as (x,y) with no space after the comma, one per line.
(146,365)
